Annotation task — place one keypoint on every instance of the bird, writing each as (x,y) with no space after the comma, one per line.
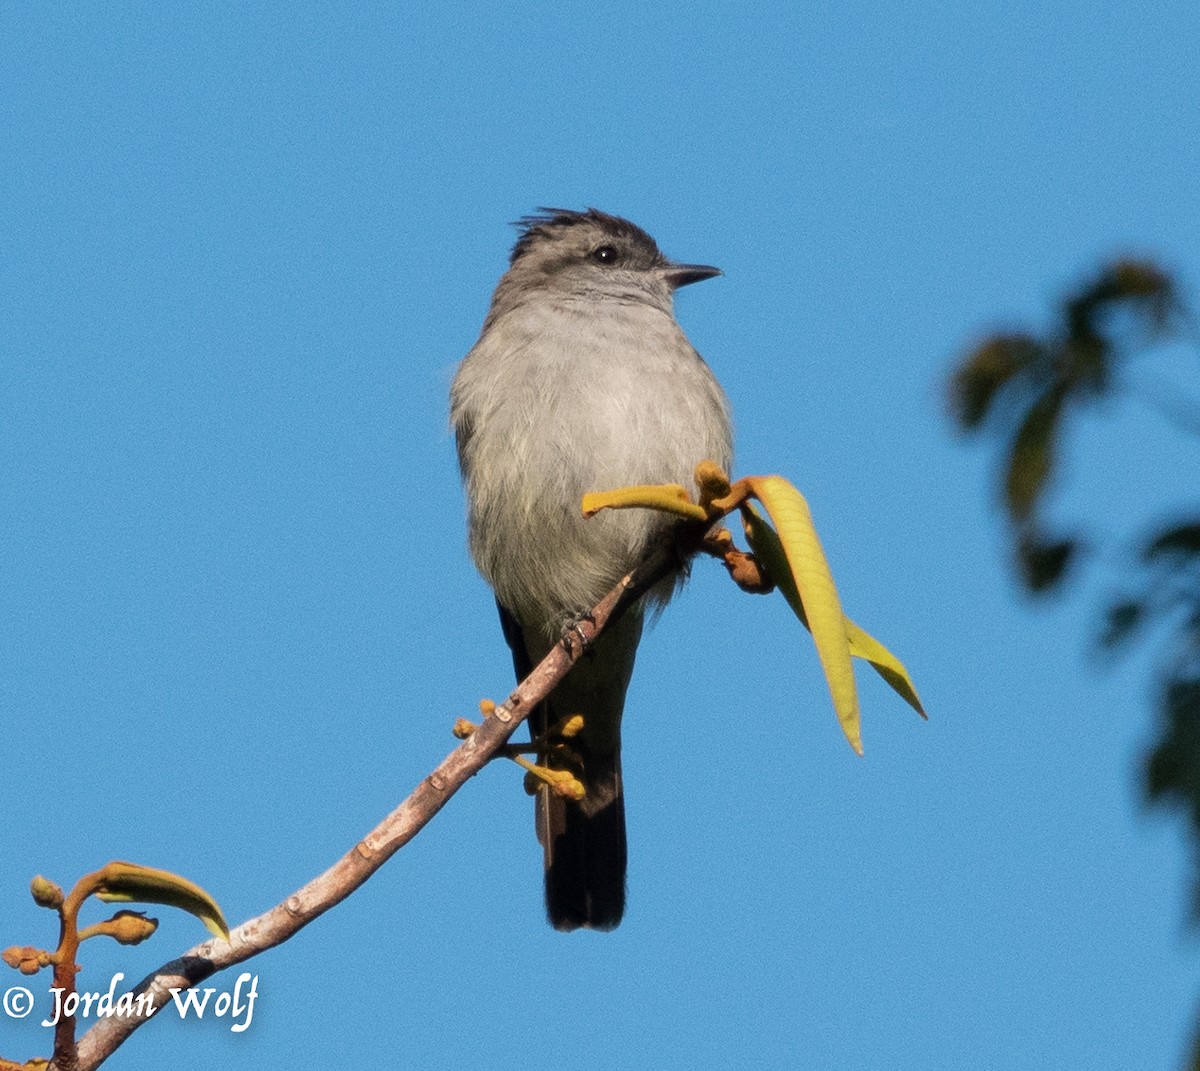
(581,380)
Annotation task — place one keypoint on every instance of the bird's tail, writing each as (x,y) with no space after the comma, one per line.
(584,840)
(584,843)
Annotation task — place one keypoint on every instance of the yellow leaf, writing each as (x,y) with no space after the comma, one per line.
(863,645)
(818,596)
(769,551)
(125,882)
(667,497)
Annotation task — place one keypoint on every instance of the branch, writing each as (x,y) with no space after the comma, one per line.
(397,829)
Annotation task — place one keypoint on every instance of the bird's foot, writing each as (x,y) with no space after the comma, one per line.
(573,633)
(550,746)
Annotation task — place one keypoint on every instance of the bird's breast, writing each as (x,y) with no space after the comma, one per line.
(560,402)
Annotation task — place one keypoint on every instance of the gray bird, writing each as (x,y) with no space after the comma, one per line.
(581,380)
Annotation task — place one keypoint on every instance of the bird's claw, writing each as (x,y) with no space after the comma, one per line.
(572,631)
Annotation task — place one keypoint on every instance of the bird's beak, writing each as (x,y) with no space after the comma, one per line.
(678,275)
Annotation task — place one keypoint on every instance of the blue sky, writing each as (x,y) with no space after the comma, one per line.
(244,247)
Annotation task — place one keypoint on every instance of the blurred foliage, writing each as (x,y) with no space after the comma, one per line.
(1166,586)
(1023,391)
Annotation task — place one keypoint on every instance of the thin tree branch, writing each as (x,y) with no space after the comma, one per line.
(397,829)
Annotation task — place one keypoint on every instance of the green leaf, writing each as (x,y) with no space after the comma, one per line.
(1181,541)
(1173,768)
(1145,288)
(1032,454)
(1121,619)
(978,381)
(1084,362)
(125,882)
(1043,562)
(1150,289)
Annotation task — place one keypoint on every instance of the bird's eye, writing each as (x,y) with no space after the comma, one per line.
(605,254)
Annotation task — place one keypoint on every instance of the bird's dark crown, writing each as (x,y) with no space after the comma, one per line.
(547,221)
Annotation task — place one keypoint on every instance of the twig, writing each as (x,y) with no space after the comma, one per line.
(397,829)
